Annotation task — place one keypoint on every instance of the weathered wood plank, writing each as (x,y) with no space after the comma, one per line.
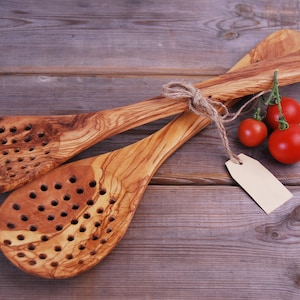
(46,95)
(194,37)
(191,243)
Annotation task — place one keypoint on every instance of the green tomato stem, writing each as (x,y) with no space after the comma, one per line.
(275,98)
(257,114)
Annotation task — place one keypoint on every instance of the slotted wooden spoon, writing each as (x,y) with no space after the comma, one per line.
(68,220)
(33,145)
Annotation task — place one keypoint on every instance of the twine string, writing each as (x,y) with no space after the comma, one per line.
(205,106)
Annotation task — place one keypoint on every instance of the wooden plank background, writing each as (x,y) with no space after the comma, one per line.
(195,235)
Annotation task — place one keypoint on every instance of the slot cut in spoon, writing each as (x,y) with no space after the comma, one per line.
(32,145)
(68,220)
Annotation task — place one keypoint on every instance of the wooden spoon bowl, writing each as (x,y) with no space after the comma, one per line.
(69,219)
(33,145)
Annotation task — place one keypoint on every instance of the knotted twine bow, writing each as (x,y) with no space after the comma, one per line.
(205,106)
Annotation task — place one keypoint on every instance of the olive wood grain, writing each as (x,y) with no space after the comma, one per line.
(68,220)
(33,145)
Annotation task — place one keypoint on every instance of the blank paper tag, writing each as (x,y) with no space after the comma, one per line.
(267,191)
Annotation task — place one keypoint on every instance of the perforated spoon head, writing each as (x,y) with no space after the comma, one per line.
(33,145)
(30,146)
(65,223)
(24,146)
(69,219)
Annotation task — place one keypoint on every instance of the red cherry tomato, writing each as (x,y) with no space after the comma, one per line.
(284,145)
(252,132)
(290,111)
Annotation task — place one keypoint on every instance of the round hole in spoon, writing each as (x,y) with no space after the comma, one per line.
(31,247)
(24,138)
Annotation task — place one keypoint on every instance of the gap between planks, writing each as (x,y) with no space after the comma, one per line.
(99,71)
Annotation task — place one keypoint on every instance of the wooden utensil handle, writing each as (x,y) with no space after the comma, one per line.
(254,78)
(188,124)
(233,85)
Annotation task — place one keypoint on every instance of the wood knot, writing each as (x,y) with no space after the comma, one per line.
(244,10)
(230,35)
(285,231)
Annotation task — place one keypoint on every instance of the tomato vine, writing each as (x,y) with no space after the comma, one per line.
(283,118)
